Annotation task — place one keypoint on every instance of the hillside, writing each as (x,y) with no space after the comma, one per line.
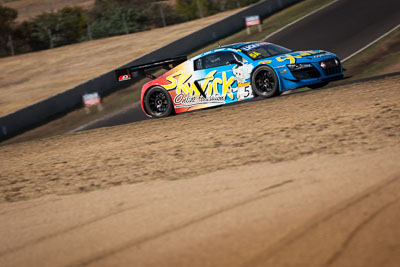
(29,78)
(28,9)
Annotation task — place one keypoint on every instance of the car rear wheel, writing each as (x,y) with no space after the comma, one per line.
(158,102)
(265,82)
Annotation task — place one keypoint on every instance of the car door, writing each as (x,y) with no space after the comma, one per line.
(214,73)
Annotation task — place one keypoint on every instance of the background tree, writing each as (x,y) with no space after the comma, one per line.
(115,17)
(72,25)
(107,18)
(192,9)
(22,37)
(54,29)
(7,21)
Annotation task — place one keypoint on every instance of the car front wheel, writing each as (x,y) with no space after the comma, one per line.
(265,82)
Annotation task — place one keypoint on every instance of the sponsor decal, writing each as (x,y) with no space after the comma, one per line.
(124,77)
(252,46)
(91,99)
(217,90)
(182,100)
(211,85)
(265,62)
(252,20)
(254,54)
(292,58)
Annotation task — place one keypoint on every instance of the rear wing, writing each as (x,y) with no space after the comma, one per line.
(125,74)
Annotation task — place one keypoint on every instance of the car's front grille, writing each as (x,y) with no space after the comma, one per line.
(306,73)
(332,66)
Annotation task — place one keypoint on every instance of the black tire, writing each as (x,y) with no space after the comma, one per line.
(158,102)
(264,82)
(318,85)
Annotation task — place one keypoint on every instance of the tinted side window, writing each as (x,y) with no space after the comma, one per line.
(216,60)
(198,64)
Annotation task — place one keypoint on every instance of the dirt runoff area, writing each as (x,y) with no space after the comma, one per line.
(306,179)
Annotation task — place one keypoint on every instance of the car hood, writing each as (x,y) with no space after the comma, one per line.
(298,57)
(311,56)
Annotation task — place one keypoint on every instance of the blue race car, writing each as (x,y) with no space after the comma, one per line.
(231,73)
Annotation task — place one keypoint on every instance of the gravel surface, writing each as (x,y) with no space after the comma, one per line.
(358,117)
(307,179)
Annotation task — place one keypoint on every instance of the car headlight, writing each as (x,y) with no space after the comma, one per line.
(322,64)
(299,66)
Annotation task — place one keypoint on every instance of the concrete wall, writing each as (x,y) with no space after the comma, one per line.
(43,111)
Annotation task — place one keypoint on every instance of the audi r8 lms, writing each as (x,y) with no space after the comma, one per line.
(229,74)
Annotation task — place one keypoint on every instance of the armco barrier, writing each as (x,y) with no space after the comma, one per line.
(36,114)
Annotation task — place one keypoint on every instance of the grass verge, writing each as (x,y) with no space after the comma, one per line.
(381,58)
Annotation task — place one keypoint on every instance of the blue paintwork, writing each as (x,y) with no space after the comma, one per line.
(279,63)
(196,84)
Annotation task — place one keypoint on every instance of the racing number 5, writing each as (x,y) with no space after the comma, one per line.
(247,91)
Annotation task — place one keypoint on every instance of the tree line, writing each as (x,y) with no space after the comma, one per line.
(107,18)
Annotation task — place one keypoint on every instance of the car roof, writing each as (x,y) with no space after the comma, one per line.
(237,45)
(240,45)
(228,47)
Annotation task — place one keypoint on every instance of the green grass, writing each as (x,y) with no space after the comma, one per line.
(380,58)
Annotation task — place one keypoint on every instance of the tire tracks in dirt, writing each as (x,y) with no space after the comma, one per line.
(359,227)
(293,242)
(179,227)
(35,241)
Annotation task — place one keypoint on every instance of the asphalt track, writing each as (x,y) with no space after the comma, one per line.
(343,27)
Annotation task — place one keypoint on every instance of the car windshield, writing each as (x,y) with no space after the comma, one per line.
(262,50)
